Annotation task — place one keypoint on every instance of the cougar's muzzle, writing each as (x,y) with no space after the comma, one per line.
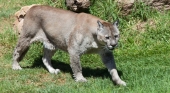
(112,45)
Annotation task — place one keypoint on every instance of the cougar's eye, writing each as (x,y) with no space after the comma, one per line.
(116,36)
(107,37)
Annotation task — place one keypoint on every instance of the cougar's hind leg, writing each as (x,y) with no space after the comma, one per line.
(48,53)
(20,51)
(29,31)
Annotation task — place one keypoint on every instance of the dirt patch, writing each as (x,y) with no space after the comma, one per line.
(6,23)
(1,50)
(1,28)
(141,26)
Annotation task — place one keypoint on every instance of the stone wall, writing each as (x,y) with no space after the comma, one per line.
(127,5)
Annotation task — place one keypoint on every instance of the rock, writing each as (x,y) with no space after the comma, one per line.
(78,5)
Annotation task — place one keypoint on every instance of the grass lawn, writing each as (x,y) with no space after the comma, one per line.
(142,58)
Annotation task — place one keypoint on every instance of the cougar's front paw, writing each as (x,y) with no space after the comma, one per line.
(54,71)
(79,78)
(16,67)
(121,83)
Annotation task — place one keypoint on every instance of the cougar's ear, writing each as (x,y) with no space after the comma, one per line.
(116,23)
(100,24)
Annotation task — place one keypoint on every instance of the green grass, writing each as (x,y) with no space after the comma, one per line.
(142,58)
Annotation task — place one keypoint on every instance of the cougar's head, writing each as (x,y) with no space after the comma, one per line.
(108,34)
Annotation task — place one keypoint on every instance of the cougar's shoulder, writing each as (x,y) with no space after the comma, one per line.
(88,22)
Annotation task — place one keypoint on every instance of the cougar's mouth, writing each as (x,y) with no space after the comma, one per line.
(111,47)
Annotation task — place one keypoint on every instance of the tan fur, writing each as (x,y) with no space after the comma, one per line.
(71,32)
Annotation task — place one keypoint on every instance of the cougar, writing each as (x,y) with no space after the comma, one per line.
(75,33)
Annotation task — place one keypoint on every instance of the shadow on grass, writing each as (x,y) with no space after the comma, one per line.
(64,67)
